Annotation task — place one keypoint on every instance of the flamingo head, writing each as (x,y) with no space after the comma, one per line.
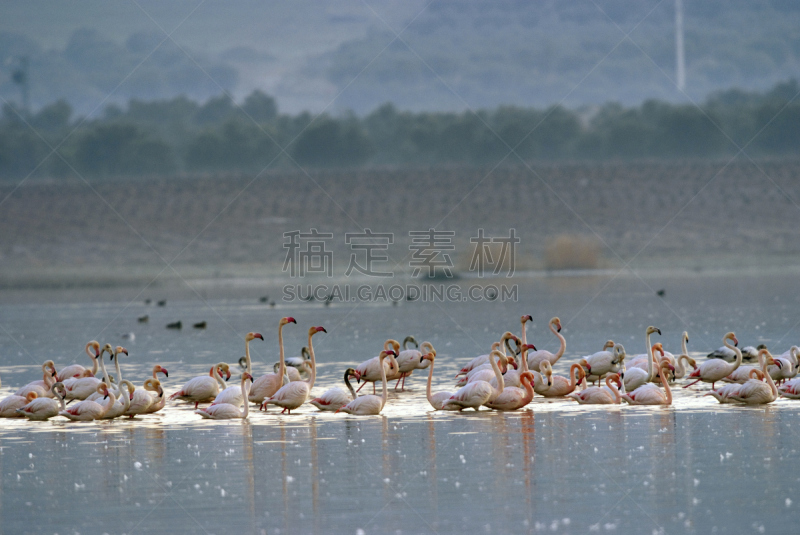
(120,349)
(428,356)
(732,337)
(95,345)
(526,347)
(160,369)
(526,318)
(247,377)
(350,372)
(557,322)
(686,336)
(288,319)
(107,349)
(513,362)
(314,330)
(585,365)
(609,344)
(616,378)
(224,369)
(651,330)
(657,347)
(253,336)
(51,366)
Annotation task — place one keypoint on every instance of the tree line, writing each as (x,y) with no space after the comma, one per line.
(184,136)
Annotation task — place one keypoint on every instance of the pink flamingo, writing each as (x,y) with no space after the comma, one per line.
(294,394)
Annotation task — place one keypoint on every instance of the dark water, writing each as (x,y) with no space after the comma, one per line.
(557,467)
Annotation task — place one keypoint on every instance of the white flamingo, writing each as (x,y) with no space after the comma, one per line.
(336,398)
(123,402)
(10,404)
(371,404)
(558,385)
(233,394)
(600,395)
(651,394)
(790,389)
(484,359)
(293,395)
(204,388)
(439,399)
(785,366)
(42,387)
(723,395)
(142,399)
(409,360)
(513,398)
(226,411)
(81,387)
(45,408)
(537,357)
(755,391)
(478,393)
(635,376)
(91,410)
(76,370)
(269,383)
(598,364)
(715,370)
(369,370)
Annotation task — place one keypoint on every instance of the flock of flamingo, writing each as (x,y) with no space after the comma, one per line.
(495,380)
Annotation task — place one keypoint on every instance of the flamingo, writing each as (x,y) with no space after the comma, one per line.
(537,357)
(76,370)
(233,394)
(787,369)
(44,408)
(43,387)
(409,360)
(650,394)
(369,369)
(141,398)
(790,389)
(597,395)
(723,395)
(483,359)
(95,396)
(91,410)
(301,363)
(680,369)
(82,387)
(10,404)
(336,398)
(371,404)
(439,399)
(636,376)
(478,393)
(715,370)
(204,388)
(513,398)
(560,385)
(122,403)
(290,373)
(485,372)
(749,353)
(598,364)
(755,391)
(226,411)
(294,394)
(269,383)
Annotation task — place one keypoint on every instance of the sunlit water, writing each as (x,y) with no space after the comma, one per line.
(556,467)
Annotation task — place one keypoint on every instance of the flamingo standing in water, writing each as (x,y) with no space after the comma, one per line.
(558,384)
(296,393)
(513,398)
(123,402)
(204,388)
(439,399)
(484,359)
(723,395)
(755,391)
(226,411)
(81,387)
(537,357)
(233,394)
(785,366)
(76,370)
(371,404)
(478,393)
(369,370)
(650,394)
(266,385)
(91,410)
(44,408)
(336,398)
(715,370)
(10,404)
(600,395)
(42,387)
(142,399)
(635,376)
(409,360)
(598,364)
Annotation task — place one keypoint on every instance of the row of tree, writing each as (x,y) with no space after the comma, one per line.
(180,135)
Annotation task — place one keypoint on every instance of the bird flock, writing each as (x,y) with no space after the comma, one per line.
(505,379)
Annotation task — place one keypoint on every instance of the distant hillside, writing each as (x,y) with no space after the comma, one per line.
(305,54)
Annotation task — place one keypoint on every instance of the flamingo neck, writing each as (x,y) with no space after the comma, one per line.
(313,375)
(103,367)
(667,389)
(428,388)
(110,403)
(562,341)
(116,366)
(349,386)
(282,367)
(650,357)
(736,363)
(526,383)
(683,347)
(385,393)
(770,382)
(126,397)
(246,409)
(216,374)
(611,386)
(500,383)
(246,356)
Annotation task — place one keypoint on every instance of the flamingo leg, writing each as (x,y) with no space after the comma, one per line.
(690,384)
(360,387)
(373,388)
(398,382)
(284,410)
(403,388)
(196,403)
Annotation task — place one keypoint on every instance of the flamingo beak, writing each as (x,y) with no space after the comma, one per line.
(735,342)
(125,351)
(321,330)
(291,320)
(165,372)
(258,335)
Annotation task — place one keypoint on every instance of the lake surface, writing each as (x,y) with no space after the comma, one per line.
(556,467)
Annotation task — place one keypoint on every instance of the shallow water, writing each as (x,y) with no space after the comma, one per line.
(555,467)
